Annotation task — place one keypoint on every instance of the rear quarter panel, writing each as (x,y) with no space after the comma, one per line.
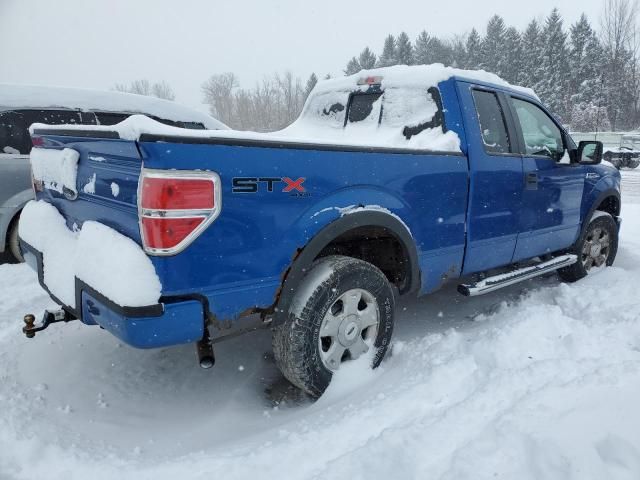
(239,260)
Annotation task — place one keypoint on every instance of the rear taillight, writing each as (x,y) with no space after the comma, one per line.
(175,207)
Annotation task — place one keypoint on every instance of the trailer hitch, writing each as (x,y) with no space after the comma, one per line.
(31,328)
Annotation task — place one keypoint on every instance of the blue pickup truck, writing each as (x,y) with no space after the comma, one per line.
(392,182)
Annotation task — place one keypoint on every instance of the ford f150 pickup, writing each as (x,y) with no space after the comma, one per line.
(392,182)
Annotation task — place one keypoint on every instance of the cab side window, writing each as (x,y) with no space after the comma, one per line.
(493,128)
(542,137)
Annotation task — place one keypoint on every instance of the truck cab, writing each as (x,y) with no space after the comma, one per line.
(392,182)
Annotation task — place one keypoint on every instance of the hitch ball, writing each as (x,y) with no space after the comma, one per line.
(29,324)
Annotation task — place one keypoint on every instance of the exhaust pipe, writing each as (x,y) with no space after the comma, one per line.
(204,349)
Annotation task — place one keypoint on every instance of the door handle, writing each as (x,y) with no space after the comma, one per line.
(531,181)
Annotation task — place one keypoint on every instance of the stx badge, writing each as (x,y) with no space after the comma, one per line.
(271,184)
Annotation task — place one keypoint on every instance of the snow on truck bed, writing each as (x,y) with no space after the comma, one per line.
(33,96)
(322,119)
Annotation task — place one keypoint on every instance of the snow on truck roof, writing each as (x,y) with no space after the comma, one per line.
(323,120)
(33,96)
(415,76)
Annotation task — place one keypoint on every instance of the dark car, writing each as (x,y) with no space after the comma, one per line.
(21,106)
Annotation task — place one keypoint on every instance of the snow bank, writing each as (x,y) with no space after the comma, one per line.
(32,96)
(56,169)
(106,260)
(404,106)
(537,381)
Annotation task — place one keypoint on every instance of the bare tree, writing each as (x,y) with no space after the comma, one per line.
(163,90)
(218,94)
(144,87)
(619,37)
(272,104)
(618,25)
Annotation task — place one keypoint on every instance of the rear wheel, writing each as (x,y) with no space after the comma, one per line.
(13,242)
(343,309)
(597,247)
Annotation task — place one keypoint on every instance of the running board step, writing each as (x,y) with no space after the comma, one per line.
(496,282)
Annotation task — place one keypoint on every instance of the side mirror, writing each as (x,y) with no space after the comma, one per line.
(590,152)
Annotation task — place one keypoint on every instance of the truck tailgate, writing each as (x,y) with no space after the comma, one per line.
(106,183)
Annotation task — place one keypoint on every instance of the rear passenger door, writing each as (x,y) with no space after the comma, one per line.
(550,215)
(495,183)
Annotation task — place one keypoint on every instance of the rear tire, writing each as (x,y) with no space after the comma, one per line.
(342,309)
(13,242)
(596,247)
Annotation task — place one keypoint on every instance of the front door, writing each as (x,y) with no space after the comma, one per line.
(495,183)
(549,219)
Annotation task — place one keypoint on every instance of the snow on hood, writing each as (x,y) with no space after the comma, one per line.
(400,82)
(32,96)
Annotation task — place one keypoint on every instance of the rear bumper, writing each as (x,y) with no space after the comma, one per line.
(172,321)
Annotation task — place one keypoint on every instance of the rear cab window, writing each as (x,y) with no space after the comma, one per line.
(364,107)
(405,111)
(493,125)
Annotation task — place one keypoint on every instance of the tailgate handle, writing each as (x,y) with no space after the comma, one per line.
(531,182)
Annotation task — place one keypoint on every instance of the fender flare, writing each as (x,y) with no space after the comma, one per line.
(366,218)
(610,192)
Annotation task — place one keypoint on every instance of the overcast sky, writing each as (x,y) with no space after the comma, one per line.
(96,44)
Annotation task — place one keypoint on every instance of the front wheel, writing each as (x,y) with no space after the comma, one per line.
(343,309)
(597,247)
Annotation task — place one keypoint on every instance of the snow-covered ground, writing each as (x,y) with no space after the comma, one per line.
(539,381)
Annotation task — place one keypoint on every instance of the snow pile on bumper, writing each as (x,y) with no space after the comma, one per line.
(106,260)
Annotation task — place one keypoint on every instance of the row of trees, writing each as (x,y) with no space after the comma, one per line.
(589,79)
(272,104)
(145,87)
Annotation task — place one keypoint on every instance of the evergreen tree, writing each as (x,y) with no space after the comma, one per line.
(458,52)
(553,85)
(430,50)
(492,50)
(388,56)
(580,34)
(311,83)
(586,88)
(531,55)
(367,59)
(422,52)
(404,50)
(512,67)
(353,66)
(473,50)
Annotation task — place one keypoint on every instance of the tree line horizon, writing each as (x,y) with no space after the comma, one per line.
(587,77)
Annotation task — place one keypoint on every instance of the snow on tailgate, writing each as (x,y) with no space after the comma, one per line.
(106,260)
(56,169)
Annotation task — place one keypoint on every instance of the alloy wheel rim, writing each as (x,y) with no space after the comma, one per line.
(596,248)
(349,328)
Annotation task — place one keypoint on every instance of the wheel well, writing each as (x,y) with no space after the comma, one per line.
(610,205)
(378,246)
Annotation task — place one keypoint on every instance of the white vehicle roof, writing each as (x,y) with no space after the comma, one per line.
(33,96)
